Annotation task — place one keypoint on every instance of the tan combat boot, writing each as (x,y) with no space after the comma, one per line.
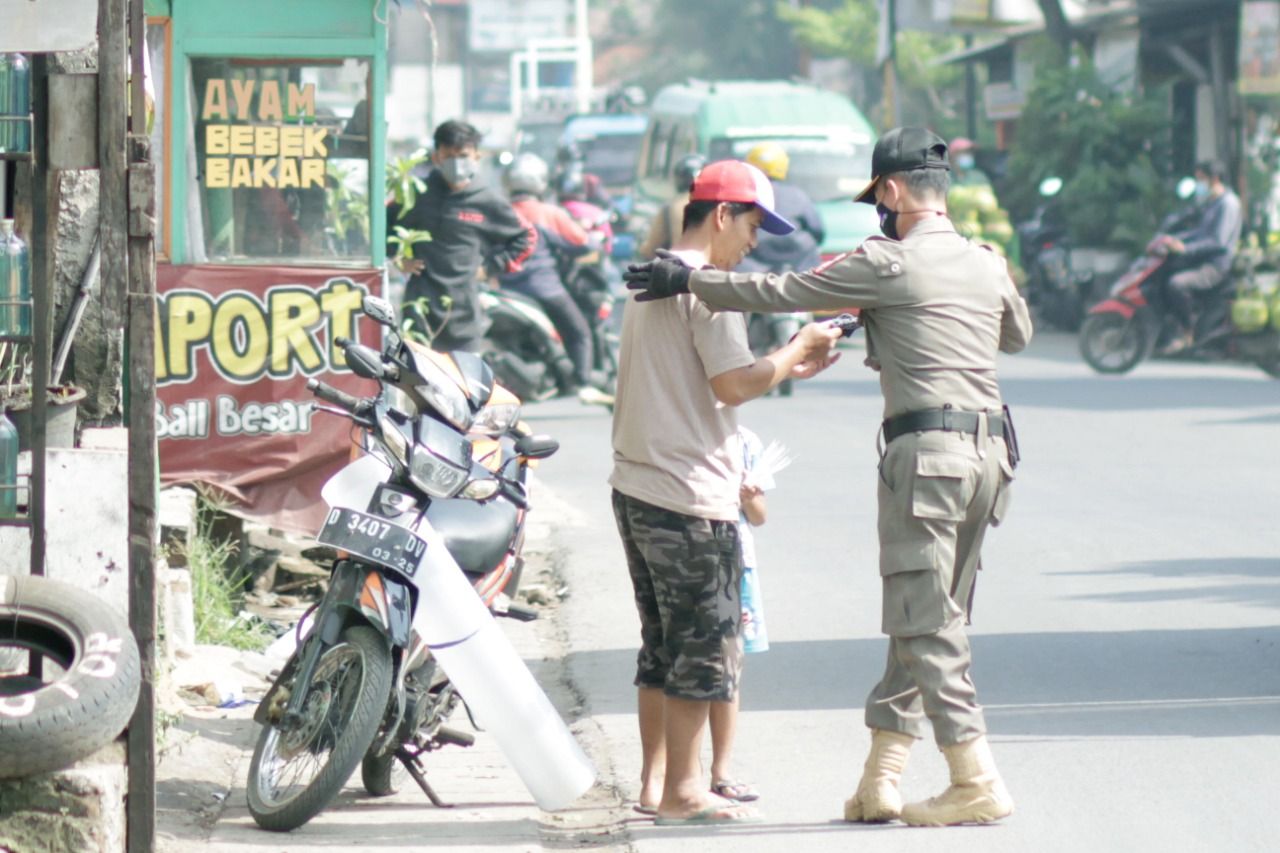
(976,795)
(877,799)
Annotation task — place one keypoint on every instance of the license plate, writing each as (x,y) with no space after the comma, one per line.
(374,539)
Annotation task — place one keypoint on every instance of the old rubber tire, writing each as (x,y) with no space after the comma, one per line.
(1112,343)
(51,723)
(356,727)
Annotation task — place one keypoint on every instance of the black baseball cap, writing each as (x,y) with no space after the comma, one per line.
(904,149)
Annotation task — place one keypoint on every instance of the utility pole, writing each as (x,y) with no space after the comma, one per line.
(888,69)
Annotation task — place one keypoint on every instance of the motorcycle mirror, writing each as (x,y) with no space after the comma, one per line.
(1186,188)
(1050,187)
(379,310)
(365,362)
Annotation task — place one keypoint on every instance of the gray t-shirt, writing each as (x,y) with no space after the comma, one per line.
(674,444)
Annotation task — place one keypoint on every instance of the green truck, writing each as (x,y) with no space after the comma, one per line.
(827,137)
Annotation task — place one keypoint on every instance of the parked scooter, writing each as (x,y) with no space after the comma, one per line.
(1123,330)
(423,526)
(1062,280)
(522,346)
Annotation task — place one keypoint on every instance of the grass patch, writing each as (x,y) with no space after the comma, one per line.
(217,590)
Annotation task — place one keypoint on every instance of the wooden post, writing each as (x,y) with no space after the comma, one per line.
(140,306)
(142,486)
(113,119)
(42,228)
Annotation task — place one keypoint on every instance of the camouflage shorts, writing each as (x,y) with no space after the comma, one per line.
(687,576)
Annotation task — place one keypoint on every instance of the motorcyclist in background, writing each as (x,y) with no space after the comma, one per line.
(669,223)
(799,249)
(573,178)
(526,180)
(1206,248)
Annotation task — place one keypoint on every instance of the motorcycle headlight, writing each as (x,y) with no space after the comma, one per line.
(437,477)
(441,460)
(497,419)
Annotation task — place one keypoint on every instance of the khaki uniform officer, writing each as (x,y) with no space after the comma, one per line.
(937,309)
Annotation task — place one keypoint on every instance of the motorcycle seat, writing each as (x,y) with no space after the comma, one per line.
(476,534)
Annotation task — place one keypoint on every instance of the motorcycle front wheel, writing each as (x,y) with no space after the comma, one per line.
(295,774)
(1112,343)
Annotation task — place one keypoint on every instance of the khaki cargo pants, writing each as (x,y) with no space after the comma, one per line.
(938,491)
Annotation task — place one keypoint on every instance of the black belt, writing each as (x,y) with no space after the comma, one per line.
(946,420)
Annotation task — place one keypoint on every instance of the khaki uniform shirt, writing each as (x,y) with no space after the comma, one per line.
(936,308)
(674,444)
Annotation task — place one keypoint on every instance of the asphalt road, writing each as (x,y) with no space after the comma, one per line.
(1127,622)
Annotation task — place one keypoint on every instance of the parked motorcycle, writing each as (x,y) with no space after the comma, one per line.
(1125,329)
(522,346)
(1063,280)
(443,487)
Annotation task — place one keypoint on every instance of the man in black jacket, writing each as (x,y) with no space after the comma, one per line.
(467,222)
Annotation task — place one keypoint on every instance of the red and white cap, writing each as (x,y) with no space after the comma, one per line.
(736,181)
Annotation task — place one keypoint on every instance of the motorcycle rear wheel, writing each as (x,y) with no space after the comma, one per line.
(347,697)
(1111,343)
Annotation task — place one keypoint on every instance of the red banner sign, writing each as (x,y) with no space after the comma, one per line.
(235,347)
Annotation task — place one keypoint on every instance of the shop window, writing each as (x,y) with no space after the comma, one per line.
(279,159)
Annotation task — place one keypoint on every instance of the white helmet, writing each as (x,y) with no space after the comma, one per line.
(527,173)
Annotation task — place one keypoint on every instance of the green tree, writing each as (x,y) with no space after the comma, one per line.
(929,93)
(1110,150)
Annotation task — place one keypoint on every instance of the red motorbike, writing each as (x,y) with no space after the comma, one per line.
(1123,330)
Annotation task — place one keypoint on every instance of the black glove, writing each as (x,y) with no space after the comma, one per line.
(666,276)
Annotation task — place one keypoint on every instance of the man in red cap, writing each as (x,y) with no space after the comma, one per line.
(676,476)
(937,310)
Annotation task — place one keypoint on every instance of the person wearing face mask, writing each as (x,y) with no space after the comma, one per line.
(468,223)
(964,166)
(937,310)
(1205,250)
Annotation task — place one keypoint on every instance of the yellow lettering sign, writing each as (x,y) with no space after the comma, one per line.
(288,176)
(248,336)
(291,141)
(215,101)
(313,145)
(312,173)
(269,103)
(264,172)
(242,91)
(242,139)
(190,318)
(266,141)
(241,173)
(302,101)
(217,172)
(217,139)
(240,338)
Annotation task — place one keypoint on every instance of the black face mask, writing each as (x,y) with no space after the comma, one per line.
(888,221)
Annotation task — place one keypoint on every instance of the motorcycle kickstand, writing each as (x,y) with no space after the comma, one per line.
(410,763)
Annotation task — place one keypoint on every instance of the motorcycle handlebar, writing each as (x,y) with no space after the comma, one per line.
(329,394)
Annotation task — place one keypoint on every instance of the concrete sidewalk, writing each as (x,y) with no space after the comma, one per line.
(201,787)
